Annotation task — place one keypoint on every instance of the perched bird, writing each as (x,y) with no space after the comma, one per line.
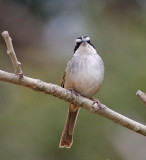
(84,75)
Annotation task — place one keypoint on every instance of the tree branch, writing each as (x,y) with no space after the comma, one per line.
(11,53)
(141,95)
(79,100)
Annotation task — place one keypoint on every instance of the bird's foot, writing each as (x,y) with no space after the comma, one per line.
(99,106)
(73,92)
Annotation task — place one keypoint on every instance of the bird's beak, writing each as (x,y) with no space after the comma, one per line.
(84,43)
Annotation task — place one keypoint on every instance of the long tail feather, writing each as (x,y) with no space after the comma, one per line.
(67,134)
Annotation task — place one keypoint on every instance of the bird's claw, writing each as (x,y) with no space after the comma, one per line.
(73,91)
(97,102)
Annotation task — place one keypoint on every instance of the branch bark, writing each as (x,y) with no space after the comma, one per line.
(66,95)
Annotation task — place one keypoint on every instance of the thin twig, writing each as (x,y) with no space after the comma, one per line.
(141,95)
(11,53)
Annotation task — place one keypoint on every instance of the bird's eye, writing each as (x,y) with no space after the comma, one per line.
(88,41)
(78,42)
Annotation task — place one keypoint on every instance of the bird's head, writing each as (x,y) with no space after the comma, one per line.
(83,42)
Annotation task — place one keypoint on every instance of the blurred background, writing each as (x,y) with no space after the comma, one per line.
(44,34)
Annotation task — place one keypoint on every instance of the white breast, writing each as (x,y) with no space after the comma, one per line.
(85,73)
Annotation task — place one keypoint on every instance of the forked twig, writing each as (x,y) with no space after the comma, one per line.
(65,94)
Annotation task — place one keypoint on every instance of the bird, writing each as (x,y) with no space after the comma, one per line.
(83,75)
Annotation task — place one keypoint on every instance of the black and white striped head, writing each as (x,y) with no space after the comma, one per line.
(82,40)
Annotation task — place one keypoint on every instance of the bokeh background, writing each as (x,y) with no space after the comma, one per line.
(44,34)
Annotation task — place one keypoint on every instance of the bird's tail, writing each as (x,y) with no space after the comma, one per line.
(67,134)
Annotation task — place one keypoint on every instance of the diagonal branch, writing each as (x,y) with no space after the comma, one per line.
(66,95)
